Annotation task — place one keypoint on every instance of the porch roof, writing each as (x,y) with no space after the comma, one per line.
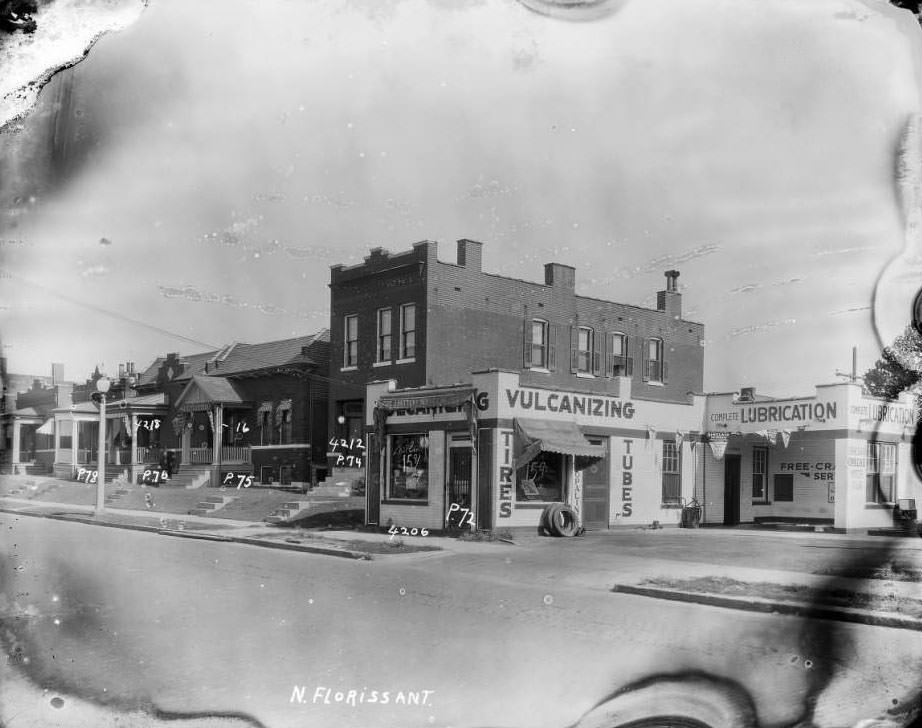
(204,390)
(87,408)
(34,412)
(145,401)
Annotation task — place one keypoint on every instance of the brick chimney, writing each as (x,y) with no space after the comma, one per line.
(470,254)
(670,300)
(559,275)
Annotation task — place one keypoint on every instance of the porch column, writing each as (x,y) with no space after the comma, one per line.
(134,446)
(186,440)
(17,432)
(74,440)
(217,440)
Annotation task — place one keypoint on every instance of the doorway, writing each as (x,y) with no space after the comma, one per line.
(731,490)
(596,490)
(458,488)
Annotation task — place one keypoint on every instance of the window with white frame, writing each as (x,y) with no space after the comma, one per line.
(539,344)
(383,352)
(881,472)
(619,361)
(654,360)
(760,475)
(408,331)
(351,341)
(584,348)
(672,474)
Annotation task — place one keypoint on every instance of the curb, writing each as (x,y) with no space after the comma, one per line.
(79,518)
(757,604)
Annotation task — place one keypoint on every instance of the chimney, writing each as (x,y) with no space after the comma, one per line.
(559,275)
(670,300)
(470,254)
(121,371)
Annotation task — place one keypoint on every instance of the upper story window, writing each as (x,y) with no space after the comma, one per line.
(384,335)
(584,348)
(654,366)
(881,472)
(408,331)
(351,341)
(760,474)
(539,344)
(620,361)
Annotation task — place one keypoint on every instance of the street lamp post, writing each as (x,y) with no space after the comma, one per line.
(102,385)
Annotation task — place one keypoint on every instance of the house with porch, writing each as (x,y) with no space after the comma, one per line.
(245,409)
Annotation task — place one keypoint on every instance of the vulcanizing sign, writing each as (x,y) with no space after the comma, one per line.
(576,404)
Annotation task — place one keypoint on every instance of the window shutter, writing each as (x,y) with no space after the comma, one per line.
(609,357)
(665,372)
(595,354)
(574,354)
(628,357)
(552,347)
(645,360)
(526,340)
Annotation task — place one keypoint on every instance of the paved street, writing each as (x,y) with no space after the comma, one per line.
(498,635)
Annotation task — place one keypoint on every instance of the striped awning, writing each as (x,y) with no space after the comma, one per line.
(536,436)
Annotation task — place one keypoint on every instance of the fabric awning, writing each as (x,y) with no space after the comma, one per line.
(47,427)
(535,436)
(426,400)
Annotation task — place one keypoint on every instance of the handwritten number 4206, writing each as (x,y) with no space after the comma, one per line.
(403,531)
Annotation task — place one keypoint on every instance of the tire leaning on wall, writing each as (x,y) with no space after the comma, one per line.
(560,520)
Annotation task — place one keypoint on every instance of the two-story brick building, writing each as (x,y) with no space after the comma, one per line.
(421,323)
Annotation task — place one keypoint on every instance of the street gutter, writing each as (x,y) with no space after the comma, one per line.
(758,604)
(313,549)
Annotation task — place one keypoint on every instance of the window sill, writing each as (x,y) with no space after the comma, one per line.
(382,363)
(761,503)
(585,375)
(533,505)
(540,370)
(879,506)
(411,360)
(653,383)
(672,506)
(400,502)
(349,369)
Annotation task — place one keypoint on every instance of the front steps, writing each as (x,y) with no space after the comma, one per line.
(211,504)
(288,511)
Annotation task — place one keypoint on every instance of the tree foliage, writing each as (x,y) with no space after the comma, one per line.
(899,368)
(17,15)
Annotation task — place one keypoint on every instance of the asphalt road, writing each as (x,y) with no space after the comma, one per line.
(133,621)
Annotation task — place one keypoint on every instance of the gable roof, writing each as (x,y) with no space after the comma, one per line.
(208,390)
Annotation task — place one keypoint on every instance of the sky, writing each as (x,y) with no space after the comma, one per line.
(190,183)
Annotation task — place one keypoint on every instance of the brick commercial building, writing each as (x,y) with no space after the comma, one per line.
(417,322)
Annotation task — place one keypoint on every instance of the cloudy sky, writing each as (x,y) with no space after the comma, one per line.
(190,183)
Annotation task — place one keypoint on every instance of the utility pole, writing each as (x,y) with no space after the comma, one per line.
(853,375)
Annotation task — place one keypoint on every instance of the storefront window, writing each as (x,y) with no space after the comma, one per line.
(541,480)
(409,467)
(672,473)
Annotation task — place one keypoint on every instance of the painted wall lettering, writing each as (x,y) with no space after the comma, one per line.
(577,404)
(505,476)
(627,479)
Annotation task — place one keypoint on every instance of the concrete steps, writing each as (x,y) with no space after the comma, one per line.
(211,504)
(189,478)
(287,511)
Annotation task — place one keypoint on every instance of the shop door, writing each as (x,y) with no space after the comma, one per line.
(731,490)
(596,491)
(458,488)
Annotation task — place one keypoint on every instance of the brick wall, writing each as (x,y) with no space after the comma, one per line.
(478,320)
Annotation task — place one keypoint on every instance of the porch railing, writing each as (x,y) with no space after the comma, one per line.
(201,455)
(231,454)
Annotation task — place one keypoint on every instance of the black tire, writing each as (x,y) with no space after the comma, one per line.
(560,520)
